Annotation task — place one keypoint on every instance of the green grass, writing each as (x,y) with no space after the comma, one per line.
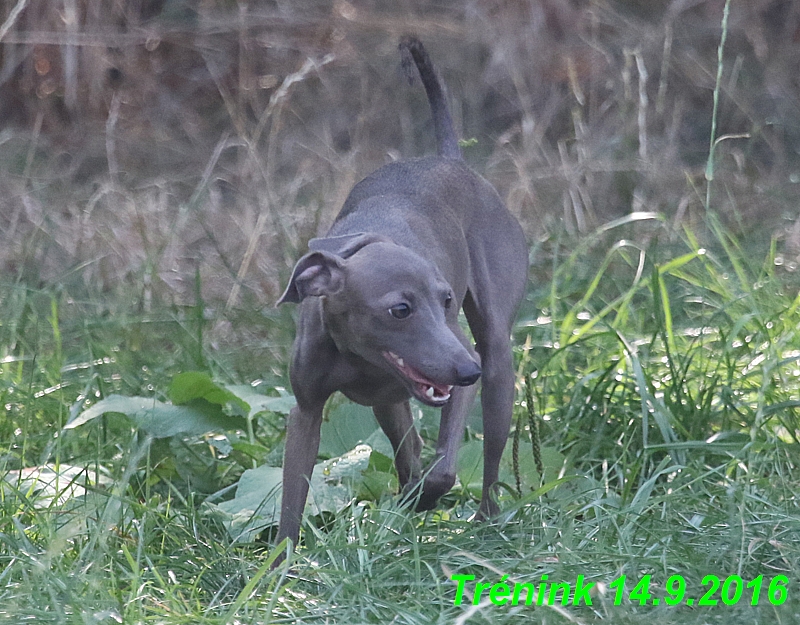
(664,379)
(663,365)
(668,376)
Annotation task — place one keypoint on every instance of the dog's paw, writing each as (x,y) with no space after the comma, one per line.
(489,509)
(424,495)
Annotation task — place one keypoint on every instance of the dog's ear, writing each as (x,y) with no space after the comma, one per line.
(346,245)
(315,274)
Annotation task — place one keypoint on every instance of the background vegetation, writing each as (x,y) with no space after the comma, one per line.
(162,165)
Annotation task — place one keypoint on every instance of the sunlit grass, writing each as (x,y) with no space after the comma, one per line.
(668,376)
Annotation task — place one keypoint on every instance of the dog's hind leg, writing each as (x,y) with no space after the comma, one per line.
(491,332)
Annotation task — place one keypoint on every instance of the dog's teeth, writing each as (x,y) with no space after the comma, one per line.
(430,392)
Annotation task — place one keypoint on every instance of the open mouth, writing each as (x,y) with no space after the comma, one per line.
(422,388)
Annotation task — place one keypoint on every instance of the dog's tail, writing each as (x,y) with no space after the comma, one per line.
(412,49)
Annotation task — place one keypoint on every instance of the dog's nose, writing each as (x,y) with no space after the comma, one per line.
(467,373)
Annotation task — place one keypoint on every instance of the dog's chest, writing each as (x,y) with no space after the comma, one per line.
(368,385)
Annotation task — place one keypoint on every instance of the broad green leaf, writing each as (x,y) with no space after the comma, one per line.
(52,484)
(258,402)
(252,450)
(379,461)
(470,466)
(162,420)
(381,446)
(552,460)
(191,385)
(376,484)
(348,425)
(379,478)
(257,503)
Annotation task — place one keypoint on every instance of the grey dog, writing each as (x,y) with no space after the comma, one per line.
(379,297)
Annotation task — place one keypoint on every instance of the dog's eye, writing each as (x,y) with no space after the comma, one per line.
(400,311)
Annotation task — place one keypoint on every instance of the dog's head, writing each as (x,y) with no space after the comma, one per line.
(390,306)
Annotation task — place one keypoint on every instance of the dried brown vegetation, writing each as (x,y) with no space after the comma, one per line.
(145,141)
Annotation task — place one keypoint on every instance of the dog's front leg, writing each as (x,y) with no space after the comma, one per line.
(441,476)
(398,425)
(300,454)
